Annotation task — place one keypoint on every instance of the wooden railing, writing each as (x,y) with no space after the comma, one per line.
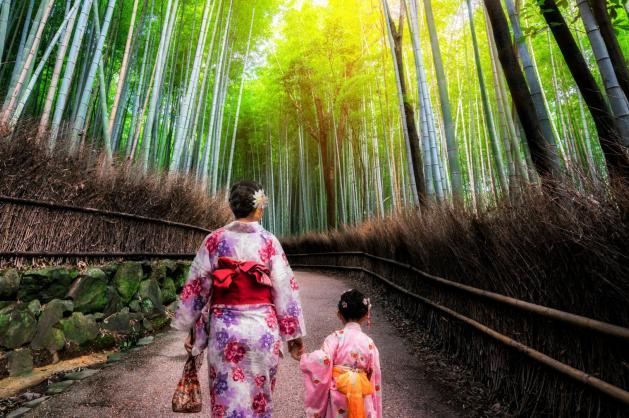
(611,330)
(102,212)
(34,229)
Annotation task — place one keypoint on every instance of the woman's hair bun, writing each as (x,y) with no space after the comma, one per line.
(241,198)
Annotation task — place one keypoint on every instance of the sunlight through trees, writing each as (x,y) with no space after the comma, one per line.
(343,109)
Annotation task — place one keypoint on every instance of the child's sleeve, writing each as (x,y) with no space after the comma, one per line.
(317,368)
(376,379)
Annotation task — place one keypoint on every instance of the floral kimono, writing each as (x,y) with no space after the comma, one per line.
(343,379)
(243,340)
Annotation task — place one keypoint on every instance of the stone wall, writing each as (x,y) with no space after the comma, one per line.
(61,312)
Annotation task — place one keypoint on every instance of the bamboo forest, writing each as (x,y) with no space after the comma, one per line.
(344,110)
(462,166)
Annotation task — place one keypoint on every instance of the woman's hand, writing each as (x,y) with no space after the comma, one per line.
(296,348)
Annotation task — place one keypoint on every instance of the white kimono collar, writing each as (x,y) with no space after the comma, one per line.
(238,226)
(353,325)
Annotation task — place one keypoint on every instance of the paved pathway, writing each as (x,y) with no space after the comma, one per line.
(142,384)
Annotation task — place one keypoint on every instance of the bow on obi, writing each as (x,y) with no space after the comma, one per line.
(228,269)
(355,385)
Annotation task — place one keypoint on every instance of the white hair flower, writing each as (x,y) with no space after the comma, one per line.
(260,199)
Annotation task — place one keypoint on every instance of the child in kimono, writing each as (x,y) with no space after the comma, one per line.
(343,379)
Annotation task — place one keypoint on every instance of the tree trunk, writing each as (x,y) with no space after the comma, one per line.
(407,112)
(123,67)
(26,67)
(327,164)
(191,90)
(242,84)
(446,112)
(532,78)
(505,120)
(538,145)
(4,23)
(66,82)
(158,72)
(54,82)
(79,122)
(16,109)
(615,153)
(615,95)
(486,108)
(599,8)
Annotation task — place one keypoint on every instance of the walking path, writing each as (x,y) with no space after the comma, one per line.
(142,384)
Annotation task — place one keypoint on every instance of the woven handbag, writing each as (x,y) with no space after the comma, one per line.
(187,396)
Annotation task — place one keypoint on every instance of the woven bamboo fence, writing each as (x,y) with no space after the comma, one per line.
(38,231)
(545,362)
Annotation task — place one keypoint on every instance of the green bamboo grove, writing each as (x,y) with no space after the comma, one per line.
(344,110)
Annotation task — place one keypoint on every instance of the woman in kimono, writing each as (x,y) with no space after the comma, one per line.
(343,378)
(241,300)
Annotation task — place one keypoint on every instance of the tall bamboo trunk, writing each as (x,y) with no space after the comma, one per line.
(497,152)
(611,141)
(68,74)
(191,89)
(599,8)
(406,109)
(26,91)
(505,121)
(26,67)
(242,85)
(54,81)
(218,82)
(79,122)
(446,112)
(124,67)
(534,84)
(427,117)
(29,32)
(538,145)
(158,72)
(5,8)
(615,94)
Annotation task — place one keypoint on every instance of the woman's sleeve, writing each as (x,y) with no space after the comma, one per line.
(317,368)
(285,294)
(196,291)
(376,379)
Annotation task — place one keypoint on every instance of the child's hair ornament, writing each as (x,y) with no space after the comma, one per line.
(260,200)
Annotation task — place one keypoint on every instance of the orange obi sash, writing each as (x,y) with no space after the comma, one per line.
(355,385)
(241,283)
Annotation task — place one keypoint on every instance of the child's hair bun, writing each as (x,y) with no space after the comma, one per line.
(353,305)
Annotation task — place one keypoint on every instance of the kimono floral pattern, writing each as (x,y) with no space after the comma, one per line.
(349,348)
(243,342)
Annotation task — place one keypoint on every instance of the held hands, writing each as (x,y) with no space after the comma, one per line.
(296,348)
(188,343)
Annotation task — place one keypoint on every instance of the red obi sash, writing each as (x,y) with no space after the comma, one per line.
(241,283)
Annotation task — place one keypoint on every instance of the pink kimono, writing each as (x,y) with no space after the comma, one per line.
(348,350)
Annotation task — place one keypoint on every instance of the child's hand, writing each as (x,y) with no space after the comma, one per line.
(296,348)
(188,343)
